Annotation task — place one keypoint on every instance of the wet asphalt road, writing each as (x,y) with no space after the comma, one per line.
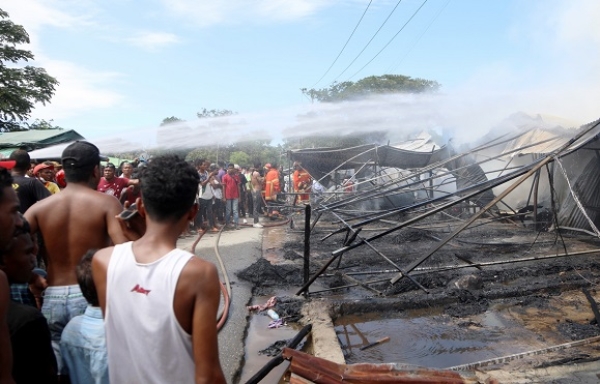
(238,249)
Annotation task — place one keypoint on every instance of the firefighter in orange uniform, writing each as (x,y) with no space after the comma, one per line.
(301,179)
(272,187)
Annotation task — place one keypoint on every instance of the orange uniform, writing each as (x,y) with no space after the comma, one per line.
(301,180)
(272,187)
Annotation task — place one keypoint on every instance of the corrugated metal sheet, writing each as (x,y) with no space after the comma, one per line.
(27,136)
(321,161)
(5,152)
(321,371)
(422,143)
(549,142)
(34,139)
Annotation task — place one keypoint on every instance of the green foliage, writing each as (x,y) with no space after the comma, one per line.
(44,125)
(171,120)
(206,153)
(385,84)
(324,141)
(20,87)
(239,157)
(205,113)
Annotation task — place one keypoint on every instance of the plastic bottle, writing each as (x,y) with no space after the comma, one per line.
(272,314)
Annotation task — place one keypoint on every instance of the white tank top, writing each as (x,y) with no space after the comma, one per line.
(144,340)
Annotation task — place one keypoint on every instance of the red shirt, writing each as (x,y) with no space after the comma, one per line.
(231,186)
(112,187)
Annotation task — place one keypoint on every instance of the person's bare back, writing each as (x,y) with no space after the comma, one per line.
(72,222)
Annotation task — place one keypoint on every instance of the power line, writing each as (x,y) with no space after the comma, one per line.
(393,67)
(360,53)
(389,42)
(344,47)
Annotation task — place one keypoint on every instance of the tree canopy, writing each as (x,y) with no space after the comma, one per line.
(20,87)
(385,84)
(206,113)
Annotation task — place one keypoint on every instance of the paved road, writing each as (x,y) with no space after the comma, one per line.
(238,249)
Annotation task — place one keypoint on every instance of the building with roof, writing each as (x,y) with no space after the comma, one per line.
(35,139)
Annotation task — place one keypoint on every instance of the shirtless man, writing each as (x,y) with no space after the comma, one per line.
(9,220)
(141,280)
(71,222)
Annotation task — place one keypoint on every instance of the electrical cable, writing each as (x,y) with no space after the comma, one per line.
(394,67)
(365,47)
(389,42)
(344,47)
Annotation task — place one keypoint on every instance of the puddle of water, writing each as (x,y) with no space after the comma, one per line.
(433,340)
(260,337)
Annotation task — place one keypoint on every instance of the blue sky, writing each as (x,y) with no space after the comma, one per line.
(124,65)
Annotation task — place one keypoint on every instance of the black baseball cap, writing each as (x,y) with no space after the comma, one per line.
(80,154)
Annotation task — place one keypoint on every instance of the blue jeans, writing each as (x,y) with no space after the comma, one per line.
(61,304)
(257,205)
(232,205)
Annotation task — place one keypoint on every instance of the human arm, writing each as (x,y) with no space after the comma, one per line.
(124,195)
(6,361)
(204,329)
(99,273)
(115,228)
(132,182)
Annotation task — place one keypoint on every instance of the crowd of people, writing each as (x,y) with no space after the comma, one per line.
(83,288)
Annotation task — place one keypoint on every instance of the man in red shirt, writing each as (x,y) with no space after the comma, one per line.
(112,185)
(231,187)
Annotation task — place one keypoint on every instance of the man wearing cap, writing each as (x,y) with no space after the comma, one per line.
(112,185)
(72,222)
(45,173)
(29,189)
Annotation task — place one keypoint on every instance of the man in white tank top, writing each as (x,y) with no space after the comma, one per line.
(160,303)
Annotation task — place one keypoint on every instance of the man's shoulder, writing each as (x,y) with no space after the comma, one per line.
(200,270)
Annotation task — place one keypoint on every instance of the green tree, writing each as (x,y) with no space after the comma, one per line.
(206,153)
(385,84)
(171,120)
(205,113)
(239,157)
(44,125)
(20,87)
(334,141)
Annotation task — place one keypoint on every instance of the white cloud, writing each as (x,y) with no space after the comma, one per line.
(153,40)
(34,15)
(80,90)
(576,21)
(208,13)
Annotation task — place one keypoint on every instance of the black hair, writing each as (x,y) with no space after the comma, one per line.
(6,180)
(22,159)
(169,186)
(85,279)
(110,165)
